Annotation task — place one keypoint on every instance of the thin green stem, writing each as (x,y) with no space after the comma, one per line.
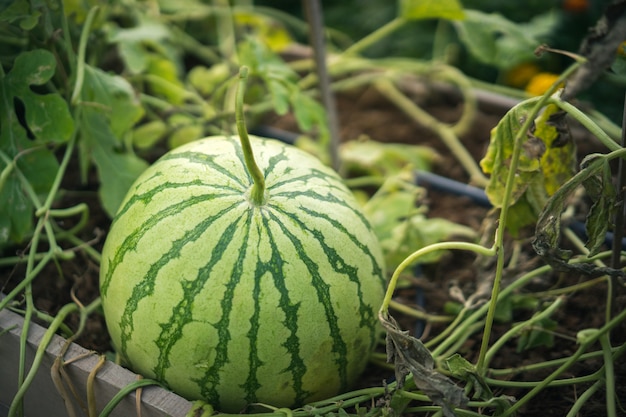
(515,330)
(581,286)
(225,32)
(82,48)
(11,164)
(585,342)
(374,37)
(609,375)
(556,383)
(462,337)
(412,258)
(84,246)
(431,408)
(26,185)
(445,132)
(81,208)
(506,372)
(27,279)
(575,240)
(124,392)
(30,307)
(605,124)
(67,40)
(508,192)
(257,192)
(584,397)
(547,381)
(43,345)
(586,121)
(470,102)
(411,312)
(480,312)
(43,317)
(56,184)
(444,334)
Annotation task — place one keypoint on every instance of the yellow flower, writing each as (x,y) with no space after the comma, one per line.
(540,83)
(519,75)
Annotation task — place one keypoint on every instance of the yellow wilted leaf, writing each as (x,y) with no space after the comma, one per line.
(546,162)
(540,83)
(558,161)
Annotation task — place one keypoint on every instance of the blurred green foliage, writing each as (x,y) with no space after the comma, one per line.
(568,23)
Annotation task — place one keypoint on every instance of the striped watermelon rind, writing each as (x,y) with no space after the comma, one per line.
(234,303)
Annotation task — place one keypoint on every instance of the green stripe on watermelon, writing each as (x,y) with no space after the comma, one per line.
(136,234)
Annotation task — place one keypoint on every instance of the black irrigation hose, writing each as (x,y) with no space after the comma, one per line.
(439,183)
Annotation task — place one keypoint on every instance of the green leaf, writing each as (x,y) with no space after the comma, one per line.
(21,11)
(309,113)
(507,306)
(28,123)
(548,229)
(495,40)
(117,170)
(602,192)
(135,56)
(185,134)
(114,96)
(399,223)
(137,44)
(164,81)
(281,84)
(146,135)
(431,9)
(277,76)
(15,212)
(368,157)
(110,111)
(280,95)
(619,65)
(47,116)
(460,368)
(540,334)
(401,226)
(207,80)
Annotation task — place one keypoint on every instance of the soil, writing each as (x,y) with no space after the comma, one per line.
(366,113)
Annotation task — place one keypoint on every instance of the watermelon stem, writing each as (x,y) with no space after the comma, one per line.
(257,192)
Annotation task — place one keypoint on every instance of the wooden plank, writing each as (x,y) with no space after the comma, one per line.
(43,399)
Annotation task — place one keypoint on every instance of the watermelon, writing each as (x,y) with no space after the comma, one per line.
(233,296)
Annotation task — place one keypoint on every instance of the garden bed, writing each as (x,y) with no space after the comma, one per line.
(43,398)
(124,84)
(362,113)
